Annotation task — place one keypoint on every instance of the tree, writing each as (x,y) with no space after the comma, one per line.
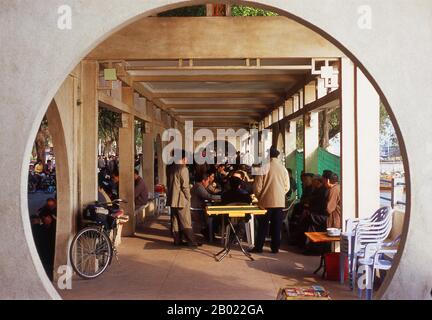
(43,140)
(388,137)
(138,136)
(109,123)
(330,126)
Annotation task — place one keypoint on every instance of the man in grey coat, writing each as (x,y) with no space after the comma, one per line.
(178,198)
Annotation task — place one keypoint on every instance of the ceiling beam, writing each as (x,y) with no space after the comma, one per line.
(270,67)
(245,94)
(220,120)
(215,78)
(217,106)
(217,114)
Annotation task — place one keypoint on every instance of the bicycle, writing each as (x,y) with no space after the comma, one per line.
(92,249)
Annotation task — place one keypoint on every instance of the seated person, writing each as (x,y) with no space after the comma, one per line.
(307,187)
(237,195)
(50,208)
(247,182)
(314,217)
(39,168)
(141,193)
(318,203)
(221,176)
(333,202)
(213,187)
(199,196)
(327,174)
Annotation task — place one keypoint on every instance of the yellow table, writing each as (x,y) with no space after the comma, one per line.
(233,211)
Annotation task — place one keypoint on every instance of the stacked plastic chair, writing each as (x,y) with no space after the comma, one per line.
(348,241)
(376,257)
(367,239)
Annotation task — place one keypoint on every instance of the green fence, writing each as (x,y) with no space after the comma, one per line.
(326,161)
(295,162)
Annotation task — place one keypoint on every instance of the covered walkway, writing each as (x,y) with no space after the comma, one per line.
(279,89)
(151,268)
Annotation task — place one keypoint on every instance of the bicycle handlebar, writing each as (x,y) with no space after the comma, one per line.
(116,201)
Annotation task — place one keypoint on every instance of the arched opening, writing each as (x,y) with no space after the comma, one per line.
(278,142)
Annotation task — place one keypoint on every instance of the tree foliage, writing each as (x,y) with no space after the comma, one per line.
(139,130)
(109,124)
(388,135)
(43,140)
(245,11)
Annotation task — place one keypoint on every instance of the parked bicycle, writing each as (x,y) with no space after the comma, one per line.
(93,248)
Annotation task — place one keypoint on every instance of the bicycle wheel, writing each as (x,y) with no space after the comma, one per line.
(90,252)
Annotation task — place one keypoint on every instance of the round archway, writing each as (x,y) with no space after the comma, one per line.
(45,90)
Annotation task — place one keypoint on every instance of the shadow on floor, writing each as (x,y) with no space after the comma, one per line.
(150,267)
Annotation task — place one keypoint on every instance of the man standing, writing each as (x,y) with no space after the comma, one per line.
(270,189)
(178,198)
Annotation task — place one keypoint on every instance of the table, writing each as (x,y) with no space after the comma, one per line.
(321,237)
(233,211)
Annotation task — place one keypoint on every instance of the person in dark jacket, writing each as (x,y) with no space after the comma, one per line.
(314,217)
(141,191)
(46,235)
(236,194)
(199,196)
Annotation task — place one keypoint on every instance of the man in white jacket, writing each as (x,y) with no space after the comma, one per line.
(270,188)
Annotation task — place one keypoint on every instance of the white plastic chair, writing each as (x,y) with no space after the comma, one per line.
(348,238)
(376,257)
(372,233)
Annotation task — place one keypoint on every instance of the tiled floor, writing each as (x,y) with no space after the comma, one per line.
(151,268)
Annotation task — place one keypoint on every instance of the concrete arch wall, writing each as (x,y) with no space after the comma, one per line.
(62,114)
(25,96)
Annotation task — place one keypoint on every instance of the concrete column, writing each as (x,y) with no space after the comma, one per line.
(311,131)
(148,164)
(368,149)
(348,158)
(126,163)
(89,133)
(290,129)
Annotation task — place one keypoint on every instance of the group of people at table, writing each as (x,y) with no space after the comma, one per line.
(318,208)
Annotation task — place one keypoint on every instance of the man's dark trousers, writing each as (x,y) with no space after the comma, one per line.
(274,216)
